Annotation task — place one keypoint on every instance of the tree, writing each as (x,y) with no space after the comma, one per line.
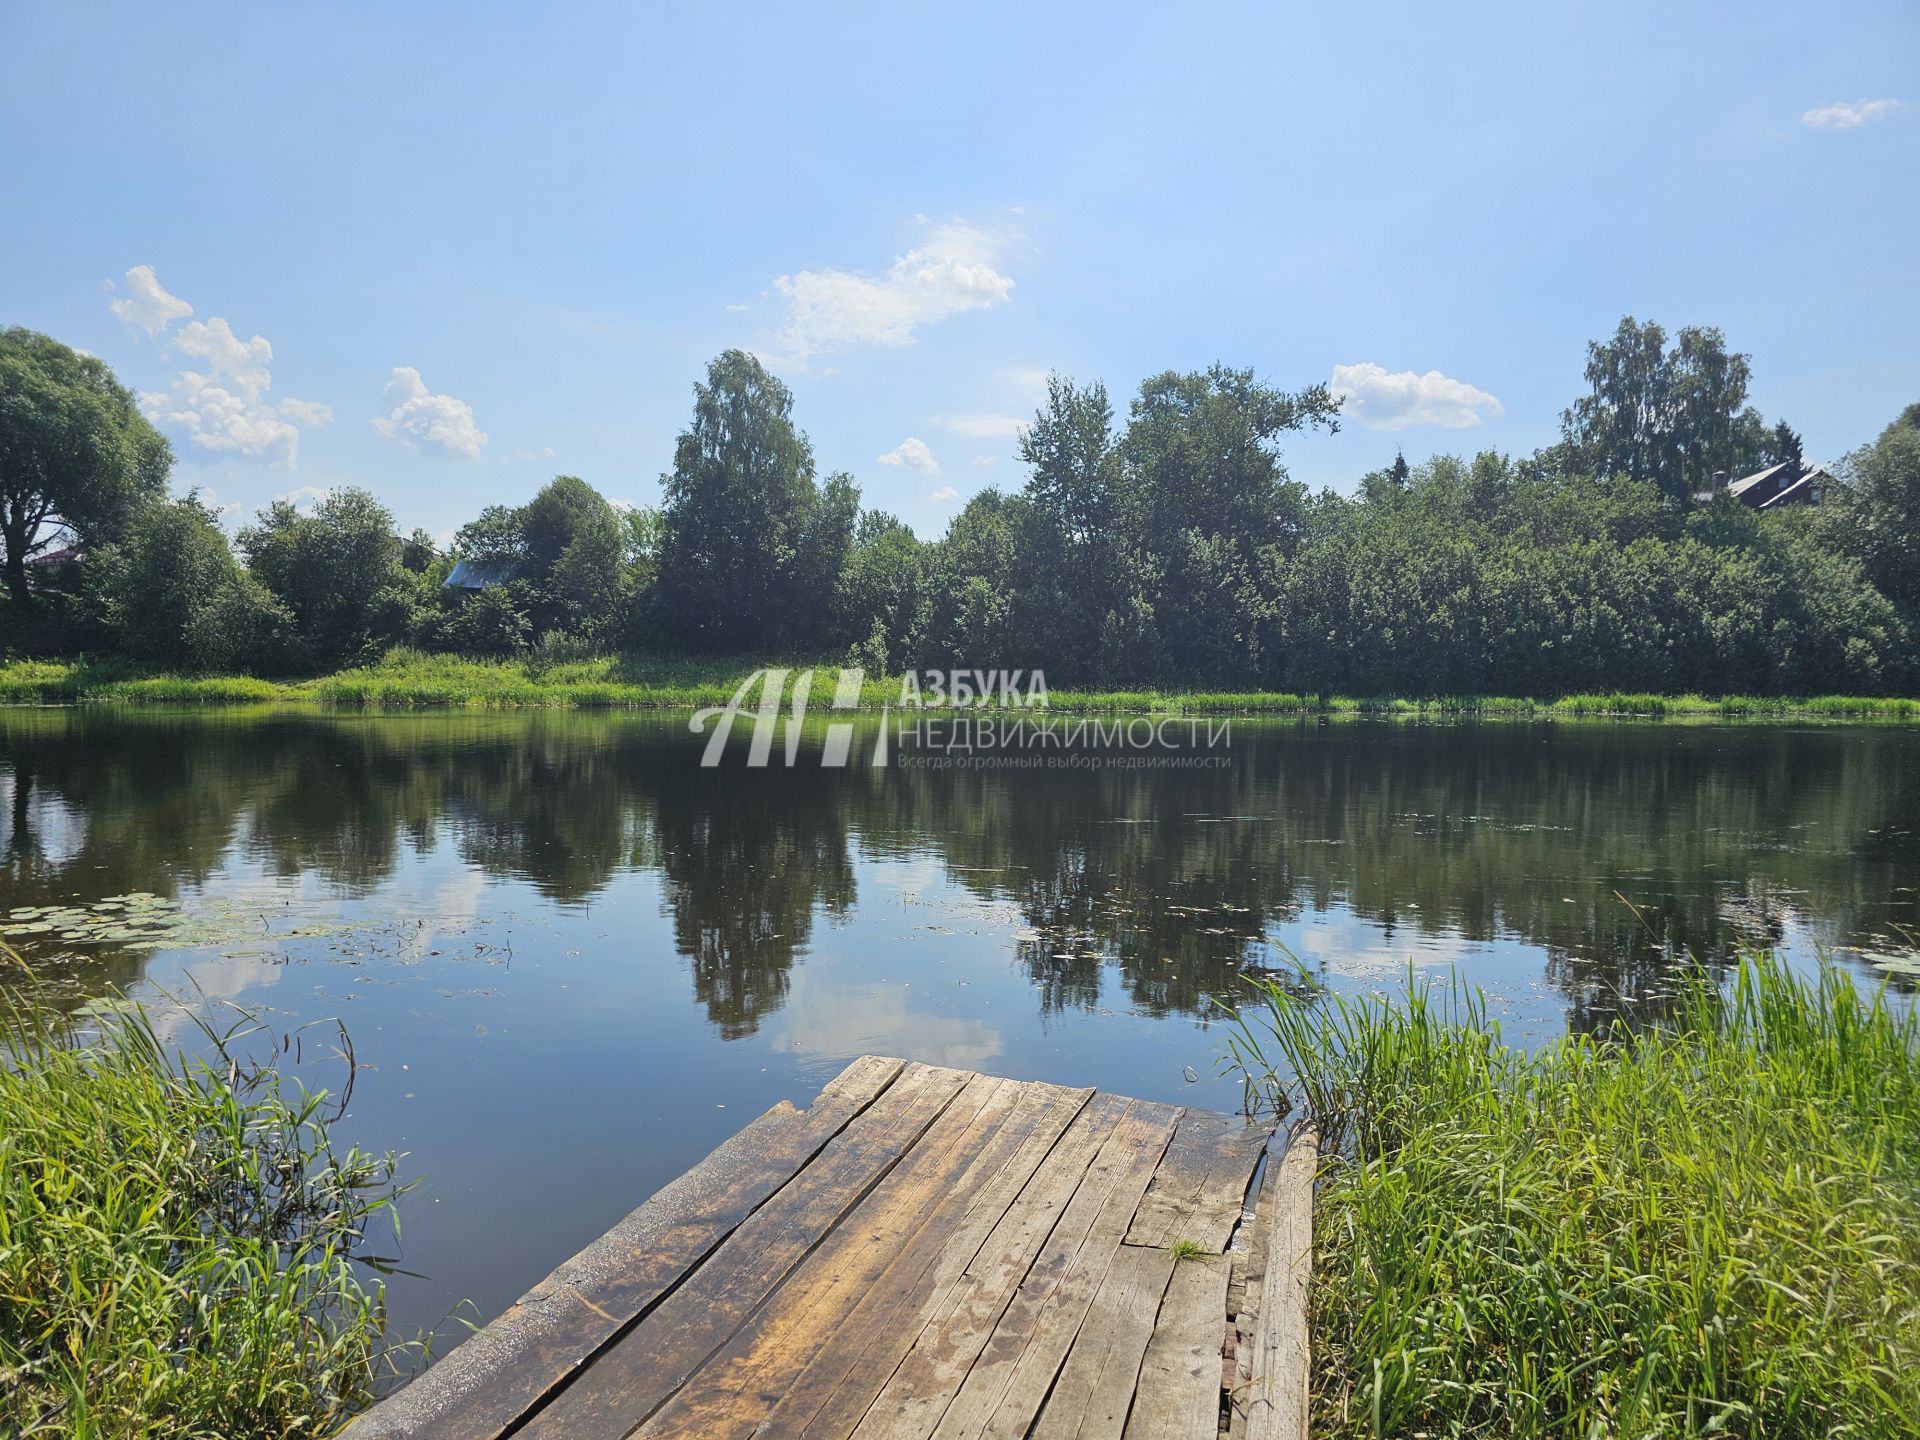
(747,535)
(418,553)
(879,590)
(75,452)
(338,571)
(1877,516)
(1206,503)
(1672,415)
(148,587)
(1783,447)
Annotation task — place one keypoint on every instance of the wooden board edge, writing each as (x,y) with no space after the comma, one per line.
(450,1396)
(1277,1397)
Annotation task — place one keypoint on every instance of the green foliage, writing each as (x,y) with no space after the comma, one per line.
(1878,511)
(490,624)
(1668,415)
(751,547)
(75,451)
(242,626)
(1169,549)
(157,587)
(338,571)
(1707,1228)
(176,1238)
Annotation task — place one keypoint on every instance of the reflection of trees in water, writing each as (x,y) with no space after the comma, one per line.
(749,857)
(1165,882)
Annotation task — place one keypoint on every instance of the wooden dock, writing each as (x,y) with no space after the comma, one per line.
(925,1253)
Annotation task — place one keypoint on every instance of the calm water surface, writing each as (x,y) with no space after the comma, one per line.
(572,960)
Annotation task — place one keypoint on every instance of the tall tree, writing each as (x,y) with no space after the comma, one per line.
(1207,502)
(75,451)
(745,528)
(1670,414)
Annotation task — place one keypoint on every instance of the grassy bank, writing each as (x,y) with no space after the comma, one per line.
(412,680)
(174,1241)
(1709,1229)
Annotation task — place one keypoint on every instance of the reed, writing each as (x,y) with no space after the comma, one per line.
(176,1238)
(1710,1227)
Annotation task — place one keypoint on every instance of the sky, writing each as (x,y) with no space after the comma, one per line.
(446,252)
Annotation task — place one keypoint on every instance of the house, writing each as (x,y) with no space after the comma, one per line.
(471,576)
(57,572)
(1774,488)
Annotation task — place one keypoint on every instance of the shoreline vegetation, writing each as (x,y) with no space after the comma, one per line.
(1703,1227)
(411,680)
(181,1245)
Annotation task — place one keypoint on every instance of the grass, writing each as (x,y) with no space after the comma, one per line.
(1185,1249)
(411,679)
(175,1239)
(1712,1227)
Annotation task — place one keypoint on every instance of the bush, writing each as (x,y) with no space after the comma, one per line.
(242,626)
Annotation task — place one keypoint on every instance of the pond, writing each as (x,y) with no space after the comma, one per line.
(572,959)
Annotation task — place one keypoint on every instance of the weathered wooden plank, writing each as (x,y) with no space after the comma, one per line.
(919,1208)
(1178,1394)
(1010,1379)
(1276,1399)
(1250,1265)
(831,1394)
(638,1372)
(1094,1391)
(931,1372)
(1199,1190)
(488,1382)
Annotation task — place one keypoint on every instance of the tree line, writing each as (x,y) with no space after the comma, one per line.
(1165,546)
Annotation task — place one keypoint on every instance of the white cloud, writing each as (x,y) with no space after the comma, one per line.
(149,307)
(946,494)
(223,406)
(914,454)
(1845,116)
(1383,400)
(222,509)
(981,462)
(416,416)
(952,270)
(306,412)
(305,497)
(985,427)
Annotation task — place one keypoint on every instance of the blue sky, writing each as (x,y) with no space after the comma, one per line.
(448,251)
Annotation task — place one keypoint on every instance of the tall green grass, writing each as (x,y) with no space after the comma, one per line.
(175,1239)
(411,679)
(1708,1228)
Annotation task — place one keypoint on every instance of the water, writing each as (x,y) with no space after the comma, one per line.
(572,961)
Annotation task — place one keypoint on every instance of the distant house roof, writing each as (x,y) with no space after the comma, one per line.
(1777,485)
(65,555)
(1803,491)
(481,574)
(54,572)
(1759,480)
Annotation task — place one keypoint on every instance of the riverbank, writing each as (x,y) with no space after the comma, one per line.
(1704,1228)
(407,680)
